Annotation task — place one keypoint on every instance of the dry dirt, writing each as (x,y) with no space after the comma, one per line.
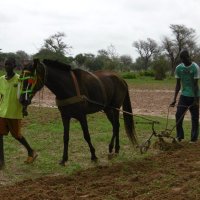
(172,174)
(147,102)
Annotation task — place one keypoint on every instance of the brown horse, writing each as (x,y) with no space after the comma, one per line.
(79,93)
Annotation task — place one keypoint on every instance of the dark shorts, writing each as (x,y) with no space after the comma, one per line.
(10,125)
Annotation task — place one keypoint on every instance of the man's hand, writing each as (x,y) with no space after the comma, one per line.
(196,101)
(173,104)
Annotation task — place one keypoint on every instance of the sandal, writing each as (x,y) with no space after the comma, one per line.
(30,159)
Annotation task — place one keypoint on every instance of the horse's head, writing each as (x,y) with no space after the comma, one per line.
(31,79)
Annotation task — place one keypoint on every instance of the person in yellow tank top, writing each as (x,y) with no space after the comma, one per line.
(11,111)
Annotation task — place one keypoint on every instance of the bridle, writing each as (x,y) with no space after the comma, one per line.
(35,81)
(32,81)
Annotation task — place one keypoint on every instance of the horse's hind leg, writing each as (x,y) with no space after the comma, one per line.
(113,116)
(66,122)
(84,125)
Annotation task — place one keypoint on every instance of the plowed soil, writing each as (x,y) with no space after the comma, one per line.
(172,174)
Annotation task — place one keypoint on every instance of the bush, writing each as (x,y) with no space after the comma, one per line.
(149,73)
(160,66)
(129,75)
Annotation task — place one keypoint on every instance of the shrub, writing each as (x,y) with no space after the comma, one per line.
(129,75)
(149,73)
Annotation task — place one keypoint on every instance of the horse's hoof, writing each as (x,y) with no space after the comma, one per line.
(110,149)
(94,159)
(63,163)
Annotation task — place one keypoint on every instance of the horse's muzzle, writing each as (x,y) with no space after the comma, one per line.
(23,101)
(24,111)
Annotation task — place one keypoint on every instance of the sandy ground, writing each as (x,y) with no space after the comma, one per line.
(144,102)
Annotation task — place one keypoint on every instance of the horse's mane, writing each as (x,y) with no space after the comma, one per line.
(57,64)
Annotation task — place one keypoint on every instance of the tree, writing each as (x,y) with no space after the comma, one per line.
(103,57)
(22,55)
(80,60)
(89,61)
(47,54)
(111,50)
(138,64)
(146,50)
(54,48)
(182,37)
(108,58)
(160,67)
(55,44)
(125,62)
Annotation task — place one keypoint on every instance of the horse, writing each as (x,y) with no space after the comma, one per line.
(78,93)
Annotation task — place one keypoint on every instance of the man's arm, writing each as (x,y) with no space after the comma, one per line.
(177,89)
(196,85)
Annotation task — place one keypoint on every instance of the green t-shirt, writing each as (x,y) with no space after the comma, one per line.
(10,106)
(188,74)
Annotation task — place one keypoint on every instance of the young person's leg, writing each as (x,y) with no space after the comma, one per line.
(15,129)
(2,162)
(3,131)
(23,141)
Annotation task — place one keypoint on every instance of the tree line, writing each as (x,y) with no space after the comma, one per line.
(159,57)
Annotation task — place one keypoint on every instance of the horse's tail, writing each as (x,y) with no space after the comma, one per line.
(128,120)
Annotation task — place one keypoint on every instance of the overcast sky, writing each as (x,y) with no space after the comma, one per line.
(91,25)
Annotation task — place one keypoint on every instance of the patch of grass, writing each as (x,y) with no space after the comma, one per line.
(149,83)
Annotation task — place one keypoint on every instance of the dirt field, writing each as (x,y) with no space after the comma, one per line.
(172,174)
(148,102)
(169,175)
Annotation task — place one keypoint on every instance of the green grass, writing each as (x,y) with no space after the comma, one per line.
(44,131)
(150,83)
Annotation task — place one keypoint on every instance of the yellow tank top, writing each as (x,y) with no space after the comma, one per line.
(10,106)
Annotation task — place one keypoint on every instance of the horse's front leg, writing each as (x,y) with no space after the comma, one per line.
(2,162)
(66,122)
(84,125)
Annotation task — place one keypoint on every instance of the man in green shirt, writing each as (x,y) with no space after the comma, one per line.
(11,111)
(187,74)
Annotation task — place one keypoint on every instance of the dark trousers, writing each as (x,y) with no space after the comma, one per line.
(183,105)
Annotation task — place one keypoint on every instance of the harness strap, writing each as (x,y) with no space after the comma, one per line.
(75,99)
(80,98)
(101,86)
(75,83)
(71,100)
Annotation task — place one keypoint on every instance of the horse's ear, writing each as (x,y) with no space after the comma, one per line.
(26,63)
(36,61)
